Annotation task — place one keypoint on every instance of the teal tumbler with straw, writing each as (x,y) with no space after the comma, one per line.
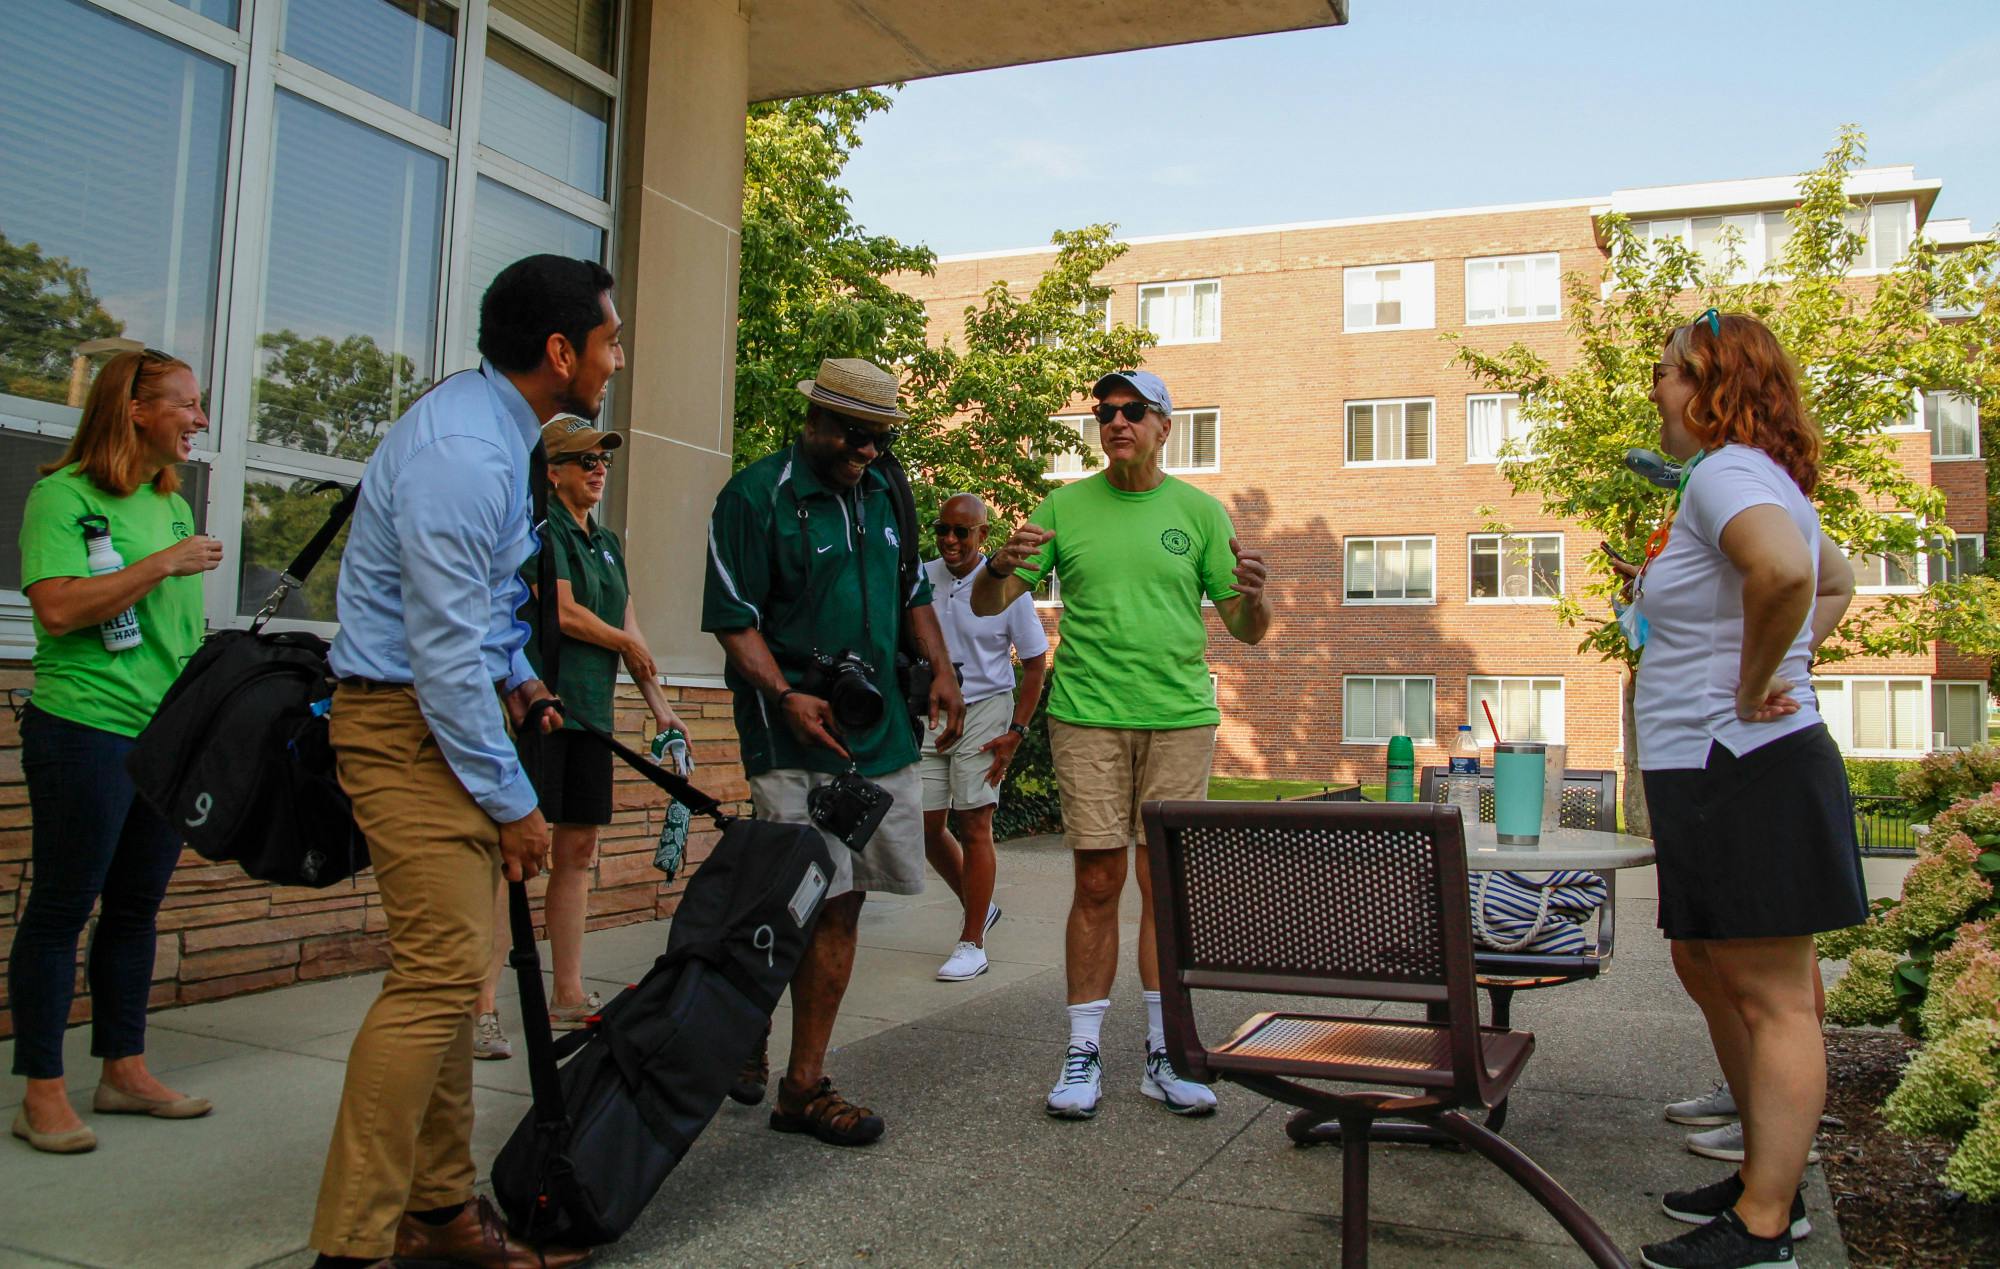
(1517,791)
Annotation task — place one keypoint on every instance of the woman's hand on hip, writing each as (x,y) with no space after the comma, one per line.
(1766,706)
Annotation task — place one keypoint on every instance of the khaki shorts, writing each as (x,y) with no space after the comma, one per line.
(1106,773)
(956,781)
(892,862)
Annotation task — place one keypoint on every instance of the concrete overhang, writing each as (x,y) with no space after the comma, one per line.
(1711,198)
(816,46)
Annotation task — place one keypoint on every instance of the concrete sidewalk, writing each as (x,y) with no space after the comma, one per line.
(971,1171)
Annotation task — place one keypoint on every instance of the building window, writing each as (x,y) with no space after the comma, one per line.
(1952,419)
(1490,422)
(1049,593)
(1888,228)
(1527,708)
(1874,717)
(1390,571)
(1193,447)
(1390,297)
(342,277)
(1963,556)
(1760,238)
(1958,715)
(1513,289)
(1896,572)
(1516,568)
(1383,432)
(1182,312)
(1377,709)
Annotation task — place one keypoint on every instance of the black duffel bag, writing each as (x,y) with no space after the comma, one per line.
(237,757)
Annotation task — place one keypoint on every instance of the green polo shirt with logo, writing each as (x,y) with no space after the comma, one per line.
(810,567)
(75,677)
(590,560)
(1134,567)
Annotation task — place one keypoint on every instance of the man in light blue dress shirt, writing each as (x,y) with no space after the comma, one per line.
(431,666)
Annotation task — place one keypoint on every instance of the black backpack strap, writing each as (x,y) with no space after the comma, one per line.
(307,559)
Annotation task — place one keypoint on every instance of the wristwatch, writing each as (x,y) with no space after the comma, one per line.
(1019,729)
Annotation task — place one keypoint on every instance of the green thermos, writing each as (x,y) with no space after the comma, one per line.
(1402,770)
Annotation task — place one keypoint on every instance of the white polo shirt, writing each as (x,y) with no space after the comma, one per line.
(984,647)
(1692,599)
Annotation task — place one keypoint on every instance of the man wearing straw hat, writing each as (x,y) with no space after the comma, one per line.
(806,561)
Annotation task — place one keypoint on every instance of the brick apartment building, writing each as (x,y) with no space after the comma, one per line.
(1316,398)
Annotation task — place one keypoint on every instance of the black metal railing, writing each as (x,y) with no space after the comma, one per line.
(1883,825)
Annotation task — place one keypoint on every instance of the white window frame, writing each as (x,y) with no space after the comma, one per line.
(1526,437)
(1165,290)
(1482,731)
(259,70)
(1562,567)
(1347,458)
(1913,422)
(1405,679)
(1054,597)
(1418,314)
(1842,727)
(1982,724)
(1405,539)
(1759,257)
(1923,425)
(1084,423)
(1919,571)
(1978,541)
(1529,262)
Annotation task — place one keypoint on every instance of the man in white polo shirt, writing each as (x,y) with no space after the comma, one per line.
(966,778)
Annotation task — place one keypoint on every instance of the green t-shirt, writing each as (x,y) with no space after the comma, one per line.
(75,677)
(594,566)
(1134,568)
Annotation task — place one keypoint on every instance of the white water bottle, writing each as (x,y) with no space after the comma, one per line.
(1462,780)
(120,633)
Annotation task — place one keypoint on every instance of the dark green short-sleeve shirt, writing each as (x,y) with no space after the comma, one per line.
(590,560)
(810,567)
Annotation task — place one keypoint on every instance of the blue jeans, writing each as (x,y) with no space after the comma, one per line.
(93,840)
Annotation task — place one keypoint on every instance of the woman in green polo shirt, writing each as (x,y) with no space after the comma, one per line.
(594,607)
(93,840)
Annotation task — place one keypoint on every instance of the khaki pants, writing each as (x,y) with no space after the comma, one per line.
(1105,774)
(403,1137)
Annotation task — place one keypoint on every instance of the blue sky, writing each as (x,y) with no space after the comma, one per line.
(1420,104)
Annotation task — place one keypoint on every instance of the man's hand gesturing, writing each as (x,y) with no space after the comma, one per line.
(1026,542)
(1251,572)
(811,720)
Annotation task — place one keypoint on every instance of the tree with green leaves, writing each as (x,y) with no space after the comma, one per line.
(812,283)
(327,397)
(46,309)
(982,415)
(1865,346)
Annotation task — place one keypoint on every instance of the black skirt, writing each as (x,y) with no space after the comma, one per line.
(1757,846)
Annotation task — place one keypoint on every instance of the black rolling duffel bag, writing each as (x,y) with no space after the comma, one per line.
(645,1078)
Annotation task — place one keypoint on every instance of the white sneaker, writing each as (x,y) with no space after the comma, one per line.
(967,961)
(1726,1143)
(1164,1084)
(1718,1106)
(1075,1094)
(489,1042)
(992,915)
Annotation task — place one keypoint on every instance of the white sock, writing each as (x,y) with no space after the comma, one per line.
(1156,1030)
(1086,1023)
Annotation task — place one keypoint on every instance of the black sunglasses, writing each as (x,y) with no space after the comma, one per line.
(859,437)
(942,529)
(139,369)
(589,462)
(1132,410)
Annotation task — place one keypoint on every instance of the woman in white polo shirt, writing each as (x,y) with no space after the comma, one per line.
(1752,819)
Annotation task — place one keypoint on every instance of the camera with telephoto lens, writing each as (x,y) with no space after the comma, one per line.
(845,682)
(849,807)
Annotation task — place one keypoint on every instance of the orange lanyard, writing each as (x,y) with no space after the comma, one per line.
(1657,543)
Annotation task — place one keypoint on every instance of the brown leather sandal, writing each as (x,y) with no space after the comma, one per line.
(825,1114)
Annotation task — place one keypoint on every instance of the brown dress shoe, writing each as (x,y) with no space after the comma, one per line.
(477,1236)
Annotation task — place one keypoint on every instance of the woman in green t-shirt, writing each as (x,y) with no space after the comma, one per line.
(600,629)
(95,689)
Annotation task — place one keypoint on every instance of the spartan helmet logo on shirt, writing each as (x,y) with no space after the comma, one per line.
(1176,541)
(889,532)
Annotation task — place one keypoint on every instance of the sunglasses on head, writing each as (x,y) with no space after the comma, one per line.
(944,530)
(139,369)
(1132,410)
(589,462)
(1714,320)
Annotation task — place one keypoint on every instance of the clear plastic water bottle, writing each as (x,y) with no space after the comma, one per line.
(1462,781)
(120,633)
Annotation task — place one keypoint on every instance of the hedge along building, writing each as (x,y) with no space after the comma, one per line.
(305,200)
(1314,397)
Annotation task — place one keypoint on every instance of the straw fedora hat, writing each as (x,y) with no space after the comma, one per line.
(849,385)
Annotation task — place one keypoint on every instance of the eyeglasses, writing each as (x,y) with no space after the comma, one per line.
(589,462)
(1661,369)
(139,369)
(944,530)
(1132,410)
(859,437)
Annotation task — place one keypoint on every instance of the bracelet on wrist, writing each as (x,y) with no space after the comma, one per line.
(996,572)
(790,691)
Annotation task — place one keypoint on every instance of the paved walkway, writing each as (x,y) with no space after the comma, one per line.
(972,1171)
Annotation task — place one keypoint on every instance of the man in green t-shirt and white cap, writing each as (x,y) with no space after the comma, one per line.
(1132,717)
